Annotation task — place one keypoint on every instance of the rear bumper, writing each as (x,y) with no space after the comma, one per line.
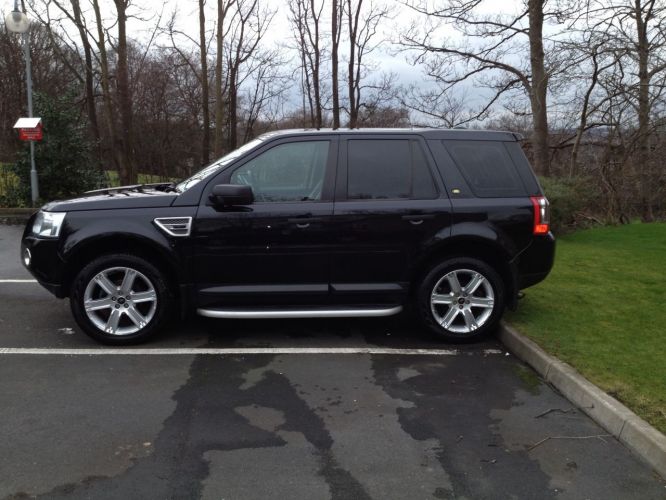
(536,261)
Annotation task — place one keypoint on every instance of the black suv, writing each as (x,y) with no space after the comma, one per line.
(307,223)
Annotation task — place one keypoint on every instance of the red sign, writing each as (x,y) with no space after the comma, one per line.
(31,134)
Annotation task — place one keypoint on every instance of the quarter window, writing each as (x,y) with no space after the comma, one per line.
(288,172)
(388,169)
(487,167)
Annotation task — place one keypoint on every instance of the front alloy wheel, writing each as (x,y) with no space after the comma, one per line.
(120,299)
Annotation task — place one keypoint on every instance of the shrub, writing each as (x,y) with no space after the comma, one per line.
(63,158)
(573,202)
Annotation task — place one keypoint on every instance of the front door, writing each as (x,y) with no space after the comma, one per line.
(276,250)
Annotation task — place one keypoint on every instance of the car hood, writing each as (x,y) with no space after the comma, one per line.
(115,199)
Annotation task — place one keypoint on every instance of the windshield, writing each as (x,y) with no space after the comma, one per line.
(216,165)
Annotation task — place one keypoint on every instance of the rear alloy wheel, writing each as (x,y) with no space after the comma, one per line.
(461,299)
(119,299)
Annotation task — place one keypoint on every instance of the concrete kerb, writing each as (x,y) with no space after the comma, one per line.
(631,430)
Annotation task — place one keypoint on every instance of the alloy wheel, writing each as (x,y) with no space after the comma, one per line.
(462,301)
(120,300)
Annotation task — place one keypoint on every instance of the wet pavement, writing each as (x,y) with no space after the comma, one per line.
(470,421)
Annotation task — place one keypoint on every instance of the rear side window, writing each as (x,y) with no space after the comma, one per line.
(487,167)
(388,169)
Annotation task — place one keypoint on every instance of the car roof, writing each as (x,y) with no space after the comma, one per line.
(426,133)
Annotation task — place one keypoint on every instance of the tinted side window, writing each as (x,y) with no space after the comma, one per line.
(288,172)
(387,169)
(487,168)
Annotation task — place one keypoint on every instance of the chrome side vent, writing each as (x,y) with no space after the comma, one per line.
(175,226)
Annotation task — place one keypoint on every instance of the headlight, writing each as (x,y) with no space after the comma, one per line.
(48,224)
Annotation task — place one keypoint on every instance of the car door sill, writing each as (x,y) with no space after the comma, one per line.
(329,312)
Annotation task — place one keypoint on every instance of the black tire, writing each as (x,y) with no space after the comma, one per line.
(461,265)
(149,275)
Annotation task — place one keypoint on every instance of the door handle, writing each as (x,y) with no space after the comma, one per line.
(304,222)
(417,219)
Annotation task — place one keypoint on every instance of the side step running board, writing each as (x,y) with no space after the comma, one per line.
(299,313)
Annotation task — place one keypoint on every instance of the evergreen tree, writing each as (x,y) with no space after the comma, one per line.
(64,160)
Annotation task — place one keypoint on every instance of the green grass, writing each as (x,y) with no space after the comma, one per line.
(603,310)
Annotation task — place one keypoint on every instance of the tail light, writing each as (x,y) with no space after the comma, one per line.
(541,215)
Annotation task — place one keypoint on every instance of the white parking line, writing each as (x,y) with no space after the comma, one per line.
(232,351)
(17,281)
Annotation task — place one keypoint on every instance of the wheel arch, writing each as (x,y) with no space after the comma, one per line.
(87,250)
(476,247)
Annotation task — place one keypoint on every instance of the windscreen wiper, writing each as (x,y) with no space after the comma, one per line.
(158,186)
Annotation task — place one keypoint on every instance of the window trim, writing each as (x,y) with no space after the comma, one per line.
(341,184)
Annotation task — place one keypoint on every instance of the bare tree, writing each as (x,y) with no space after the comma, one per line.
(76,17)
(126,171)
(222,7)
(490,40)
(363,25)
(109,108)
(634,32)
(305,16)
(336,30)
(247,27)
(205,101)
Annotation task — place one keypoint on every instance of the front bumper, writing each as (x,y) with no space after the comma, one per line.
(41,258)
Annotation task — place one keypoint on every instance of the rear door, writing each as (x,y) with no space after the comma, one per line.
(388,204)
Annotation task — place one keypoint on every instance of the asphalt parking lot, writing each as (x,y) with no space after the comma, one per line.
(343,409)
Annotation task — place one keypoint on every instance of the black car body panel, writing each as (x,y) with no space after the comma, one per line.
(332,248)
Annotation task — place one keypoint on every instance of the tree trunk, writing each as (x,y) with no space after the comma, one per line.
(106,89)
(538,89)
(126,173)
(335,28)
(573,165)
(353,17)
(219,97)
(315,70)
(233,108)
(643,114)
(90,80)
(205,142)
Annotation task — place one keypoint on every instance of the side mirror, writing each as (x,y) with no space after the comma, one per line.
(231,194)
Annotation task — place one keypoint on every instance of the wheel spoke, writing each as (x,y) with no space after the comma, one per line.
(450,315)
(112,322)
(485,302)
(128,281)
(470,320)
(136,317)
(474,284)
(452,278)
(106,284)
(139,297)
(96,305)
(442,299)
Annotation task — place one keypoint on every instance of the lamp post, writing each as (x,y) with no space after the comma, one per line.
(17,22)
